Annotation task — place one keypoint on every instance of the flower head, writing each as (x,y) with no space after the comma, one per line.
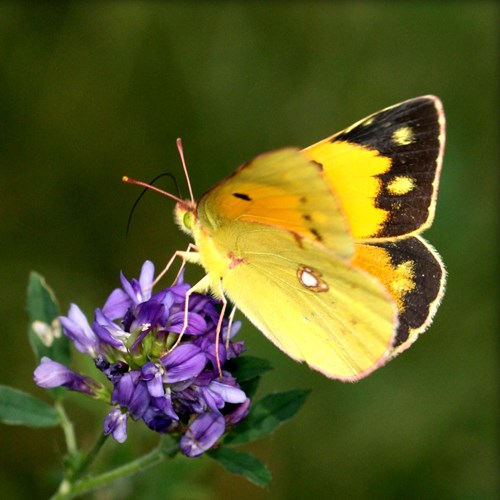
(175,390)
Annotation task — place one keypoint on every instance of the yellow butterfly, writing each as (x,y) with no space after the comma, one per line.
(320,247)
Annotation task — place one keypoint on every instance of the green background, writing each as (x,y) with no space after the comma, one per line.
(89,92)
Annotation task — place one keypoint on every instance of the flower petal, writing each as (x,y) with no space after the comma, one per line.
(157,421)
(50,374)
(117,304)
(152,376)
(129,289)
(116,423)
(202,434)
(196,323)
(132,393)
(184,362)
(239,413)
(229,393)
(109,332)
(146,279)
(77,328)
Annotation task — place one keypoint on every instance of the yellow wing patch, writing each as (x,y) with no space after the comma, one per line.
(403,136)
(400,185)
(384,170)
(352,173)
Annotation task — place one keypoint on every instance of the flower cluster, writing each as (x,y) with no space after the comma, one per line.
(173,388)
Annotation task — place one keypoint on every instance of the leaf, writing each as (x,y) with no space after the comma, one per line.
(249,387)
(44,330)
(248,367)
(266,415)
(242,463)
(19,408)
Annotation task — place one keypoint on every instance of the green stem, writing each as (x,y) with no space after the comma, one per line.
(67,426)
(90,457)
(68,490)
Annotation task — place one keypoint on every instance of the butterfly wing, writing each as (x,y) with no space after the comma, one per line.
(317,247)
(283,189)
(273,236)
(313,305)
(385,169)
(385,173)
(412,272)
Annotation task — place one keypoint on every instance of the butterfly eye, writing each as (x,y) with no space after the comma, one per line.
(188,220)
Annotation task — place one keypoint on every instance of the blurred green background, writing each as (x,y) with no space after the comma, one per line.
(89,92)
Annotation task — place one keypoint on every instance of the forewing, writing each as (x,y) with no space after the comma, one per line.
(385,169)
(283,189)
(311,304)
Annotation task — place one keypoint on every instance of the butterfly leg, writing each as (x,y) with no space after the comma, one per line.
(219,327)
(182,254)
(202,286)
(229,326)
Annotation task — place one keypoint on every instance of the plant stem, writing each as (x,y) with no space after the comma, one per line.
(90,457)
(67,426)
(69,490)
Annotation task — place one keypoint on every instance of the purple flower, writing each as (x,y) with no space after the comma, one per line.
(176,390)
(132,393)
(157,421)
(240,412)
(221,391)
(152,375)
(183,363)
(50,374)
(116,424)
(77,328)
(202,434)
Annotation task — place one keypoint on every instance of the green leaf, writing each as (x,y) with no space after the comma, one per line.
(266,415)
(249,387)
(242,463)
(44,330)
(248,367)
(20,408)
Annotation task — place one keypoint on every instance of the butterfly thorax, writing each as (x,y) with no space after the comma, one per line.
(212,251)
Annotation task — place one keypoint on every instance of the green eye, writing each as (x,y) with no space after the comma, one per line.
(188,220)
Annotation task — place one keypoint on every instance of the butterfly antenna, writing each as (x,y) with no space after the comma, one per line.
(147,187)
(181,154)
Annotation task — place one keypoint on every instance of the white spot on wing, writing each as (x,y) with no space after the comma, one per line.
(311,279)
(403,136)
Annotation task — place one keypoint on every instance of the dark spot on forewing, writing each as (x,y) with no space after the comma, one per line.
(317,164)
(242,196)
(316,234)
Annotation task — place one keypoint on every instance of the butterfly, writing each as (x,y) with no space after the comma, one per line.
(321,249)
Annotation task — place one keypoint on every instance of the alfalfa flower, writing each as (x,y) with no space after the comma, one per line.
(177,390)
(195,391)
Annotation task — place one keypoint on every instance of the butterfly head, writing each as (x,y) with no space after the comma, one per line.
(185,215)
